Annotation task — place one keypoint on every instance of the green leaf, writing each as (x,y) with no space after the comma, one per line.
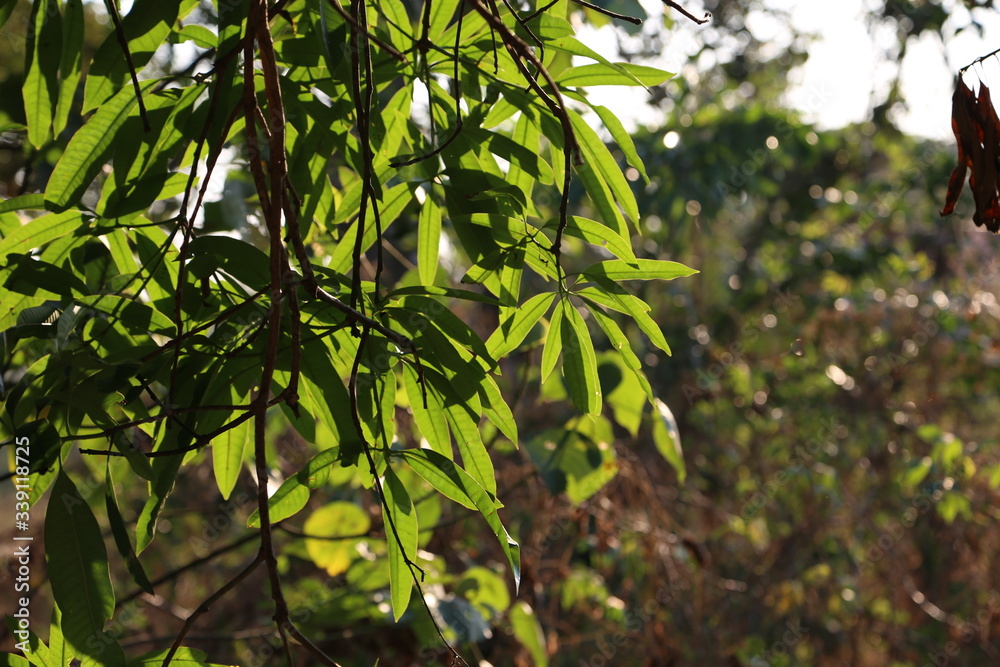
(40,231)
(428,240)
(228,451)
(35,200)
(199,34)
(553,343)
(293,494)
(430,420)
(287,501)
(120,532)
(577,460)
(78,571)
(184,657)
(642,269)
(580,362)
(137,461)
(528,631)
(597,155)
(512,331)
(241,260)
(612,296)
(617,74)
(485,591)
(495,408)
(441,13)
(146,27)
(601,197)
(465,428)
(619,341)
(71,62)
(667,438)
(338,519)
(400,522)
(597,234)
(453,482)
(41,81)
(59,651)
(90,147)
(135,314)
(165,469)
(622,138)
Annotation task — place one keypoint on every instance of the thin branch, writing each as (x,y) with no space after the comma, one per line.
(607,12)
(458,103)
(354,24)
(674,5)
(123,42)
(207,604)
(197,562)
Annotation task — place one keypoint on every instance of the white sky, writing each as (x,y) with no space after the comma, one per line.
(847,63)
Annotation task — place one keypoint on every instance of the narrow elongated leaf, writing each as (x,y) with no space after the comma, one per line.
(596,153)
(528,631)
(621,74)
(476,460)
(621,344)
(511,332)
(599,235)
(90,148)
(401,536)
(293,494)
(165,468)
(601,196)
(70,63)
(495,408)
(668,439)
(40,231)
(441,13)
(643,269)
(430,420)
(184,657)
(622,138)
(580,362)
(120,532)
(453,482)
(428,240)
(146,27)
(553,343)
(228,451)
(78,572)
(636,308)
(35,200)
(41,81)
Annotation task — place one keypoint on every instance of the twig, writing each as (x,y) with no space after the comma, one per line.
(354,24)
(688,14)
(120,33)
(608,12)
(207,604)
(197,562)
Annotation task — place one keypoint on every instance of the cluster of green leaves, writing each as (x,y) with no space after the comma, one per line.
(145,330)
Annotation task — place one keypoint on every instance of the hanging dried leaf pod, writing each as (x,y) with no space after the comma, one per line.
(977,131)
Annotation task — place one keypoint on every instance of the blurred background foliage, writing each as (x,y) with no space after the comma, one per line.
(833,382)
